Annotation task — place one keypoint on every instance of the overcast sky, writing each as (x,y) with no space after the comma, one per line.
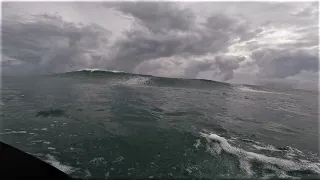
(240,42)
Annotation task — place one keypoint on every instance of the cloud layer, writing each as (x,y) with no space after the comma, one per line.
(254,43)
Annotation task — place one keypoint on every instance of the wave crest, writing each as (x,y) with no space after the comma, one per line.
(97,69)
(123,78)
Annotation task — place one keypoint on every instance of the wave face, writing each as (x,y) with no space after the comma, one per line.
(123,78)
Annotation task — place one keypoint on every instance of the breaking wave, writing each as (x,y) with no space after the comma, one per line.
(123,78)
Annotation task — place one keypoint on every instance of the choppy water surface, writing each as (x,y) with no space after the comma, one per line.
(98,124)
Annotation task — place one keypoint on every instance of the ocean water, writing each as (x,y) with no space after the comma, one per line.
(100,124)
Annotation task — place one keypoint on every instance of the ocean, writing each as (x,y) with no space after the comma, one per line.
(101,124)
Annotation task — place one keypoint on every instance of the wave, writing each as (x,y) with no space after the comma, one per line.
(259,165)
(98,72)
(123,78)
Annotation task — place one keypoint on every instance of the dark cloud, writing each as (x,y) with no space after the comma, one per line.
(47,44)
(274,63)
(168,31)
(169,39)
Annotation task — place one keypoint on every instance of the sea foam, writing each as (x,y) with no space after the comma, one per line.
(14,132)
(54,162)
(97,69)
(271,166)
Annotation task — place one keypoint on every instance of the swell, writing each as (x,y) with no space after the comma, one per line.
(140,79)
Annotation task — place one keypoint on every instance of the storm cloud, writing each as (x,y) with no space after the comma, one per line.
(232,42)
(46,44)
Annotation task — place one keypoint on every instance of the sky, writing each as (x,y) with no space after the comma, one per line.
(259,43)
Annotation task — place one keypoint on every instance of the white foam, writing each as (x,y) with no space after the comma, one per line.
(51,148)
(304,161)
(15,132)
(197,144)
(107,175)
(246,89)
(97,69)
(220,144)
(290,155)
(99,160)
(37,141)
(119,159)
(134,81)
(268,147)
(87,173)
(40,141)
(191,169)
(54,162)
(44,129)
